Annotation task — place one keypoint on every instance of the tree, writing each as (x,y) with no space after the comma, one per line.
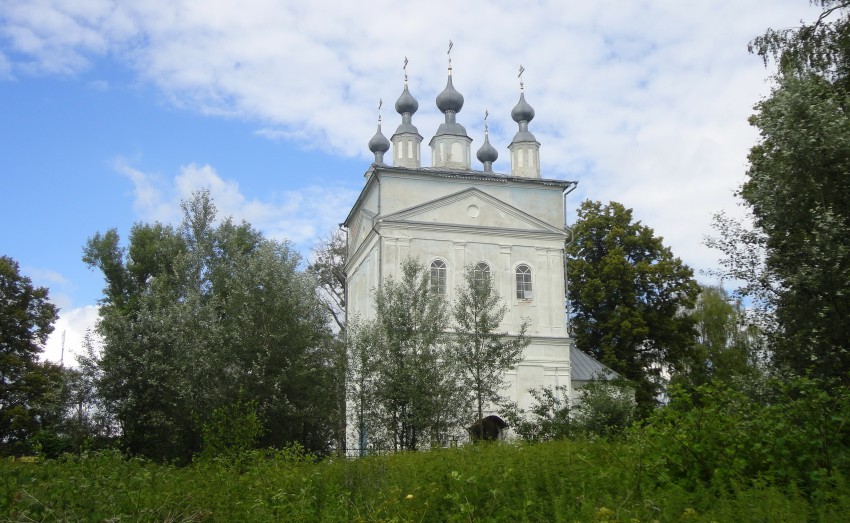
(605,407)
(482,353)
(726,347)
(798,191)
(29,390)
(402,355)
(627,297)
(328,266)
(550,417)
(195,316)
(362,384)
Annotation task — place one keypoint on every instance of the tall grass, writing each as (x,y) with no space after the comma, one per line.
(557,481)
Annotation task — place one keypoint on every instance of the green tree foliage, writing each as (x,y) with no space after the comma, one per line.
(727,347)
(402,364)
(232,430)
(362,384)
(328,268)
(627,293)
(30,390)
(482,353)
(791,433)
(194,315)
(605,407)
(548,418)
(798,190)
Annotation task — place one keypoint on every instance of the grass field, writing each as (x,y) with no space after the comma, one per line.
(584,480)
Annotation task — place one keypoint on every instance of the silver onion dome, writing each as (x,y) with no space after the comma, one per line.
(522,112)
(487,153)
(450,99)
(379,142)
(406,103)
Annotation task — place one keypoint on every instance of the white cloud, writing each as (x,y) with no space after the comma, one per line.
(643,102)
(150,199)
(72,325)
(301,215)
(5,67)
(45,277)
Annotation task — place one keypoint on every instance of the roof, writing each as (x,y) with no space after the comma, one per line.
(586,368)
(445,172)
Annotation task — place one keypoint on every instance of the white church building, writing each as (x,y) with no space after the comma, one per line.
(450,215)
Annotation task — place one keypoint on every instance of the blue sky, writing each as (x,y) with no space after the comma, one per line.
(111,112)
(67,143)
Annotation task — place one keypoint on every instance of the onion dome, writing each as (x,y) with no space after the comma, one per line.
(487,153)
(379,145)
(379,142)
(449,99)
(522,112)
(406,103)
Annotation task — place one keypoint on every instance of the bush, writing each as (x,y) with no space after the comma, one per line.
(716,437)
(605,408)
(548,419)
(233,430)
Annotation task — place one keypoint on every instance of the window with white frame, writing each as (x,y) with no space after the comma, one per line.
(438,276)
(523,282)
(481,272)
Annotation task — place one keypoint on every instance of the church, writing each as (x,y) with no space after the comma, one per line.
(450,215)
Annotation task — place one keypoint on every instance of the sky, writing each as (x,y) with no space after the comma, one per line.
(112,112)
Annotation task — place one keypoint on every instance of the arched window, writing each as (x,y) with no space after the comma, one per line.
(438,276)
(523,282)
(482,272)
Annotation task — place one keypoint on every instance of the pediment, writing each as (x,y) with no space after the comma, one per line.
(474,208)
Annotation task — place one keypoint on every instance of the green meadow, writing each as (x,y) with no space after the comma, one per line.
(566,480)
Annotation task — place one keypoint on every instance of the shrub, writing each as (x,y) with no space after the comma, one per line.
(717,437)
(605,408)
(233,430)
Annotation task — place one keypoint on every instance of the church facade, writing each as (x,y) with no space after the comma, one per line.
(451,216)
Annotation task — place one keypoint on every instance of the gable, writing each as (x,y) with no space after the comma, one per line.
(360,227)
(472,208)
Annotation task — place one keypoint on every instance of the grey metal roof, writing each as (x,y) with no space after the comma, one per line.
(487,153)
(451,127)
(379,142)
(450,99)
(448,172)
(585,367)
(522,112)
(406,103)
